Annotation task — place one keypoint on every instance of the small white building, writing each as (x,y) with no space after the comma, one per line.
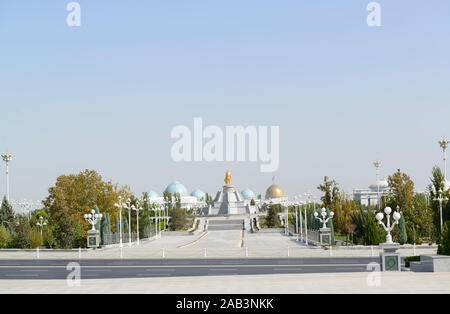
(371,196)
(196,200)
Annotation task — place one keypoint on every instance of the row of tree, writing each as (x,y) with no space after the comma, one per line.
(68,200)
(419,212)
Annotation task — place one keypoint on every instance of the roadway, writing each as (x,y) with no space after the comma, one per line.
(141,268)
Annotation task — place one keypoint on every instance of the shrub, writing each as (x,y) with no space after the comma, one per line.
(35,238)
(444,247)
(411,259)
(371,234)
(403,237)
(272,216)
(49,239)
(22,237)
(5,237)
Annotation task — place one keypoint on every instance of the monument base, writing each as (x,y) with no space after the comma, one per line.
(229,201)
(325,236)
(389,258)
(93,238)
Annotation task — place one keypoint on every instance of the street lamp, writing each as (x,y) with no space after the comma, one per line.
(308,197)
(26,206)
(120,206)
(156,219)
(444,145)
(388,228)
(92,218)
(41,223)
(286,220)
(7,159)
(324,220)
(127,205)
(137,208)
(440,199)
(377,165)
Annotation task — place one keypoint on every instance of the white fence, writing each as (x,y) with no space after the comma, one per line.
(143,252)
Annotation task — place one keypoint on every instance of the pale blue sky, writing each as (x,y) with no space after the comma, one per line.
(106,95)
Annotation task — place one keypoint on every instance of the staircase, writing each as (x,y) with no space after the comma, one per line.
(225,224)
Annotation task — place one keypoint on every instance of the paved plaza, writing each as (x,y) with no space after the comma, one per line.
(215,244)
(342,283)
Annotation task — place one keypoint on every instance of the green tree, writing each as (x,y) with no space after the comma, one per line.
(343,209)
(178,217)
(7,218)
(105,227)
(125,225)
(371,234)
(444,247)
(5,237)
(331,192)
(403,237)
(65,231)
(438,185)
(360,220)
(272,220)
(22,235)
(49,239)
(76,194)
(402,191)
(35,238)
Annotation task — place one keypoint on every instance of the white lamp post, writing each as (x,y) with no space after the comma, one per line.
(308,197)
(296,218)
(388,227)
(377,165)
(286,220)
(120,206)
(301,220)
(324,220)
(127,205)
(41,223)
(390,259)
(441,198)
(156,218)
(7,159)
(444,145)
(137,208)
(93,218)
(325,233)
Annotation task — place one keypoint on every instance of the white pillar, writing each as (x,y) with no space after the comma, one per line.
(7,182)
(306,227)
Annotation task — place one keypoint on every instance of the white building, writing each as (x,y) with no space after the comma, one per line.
(372,195)
(195,200)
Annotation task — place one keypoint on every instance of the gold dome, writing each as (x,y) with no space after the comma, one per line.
(274,191)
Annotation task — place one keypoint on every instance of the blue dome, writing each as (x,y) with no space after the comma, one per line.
(152,194)
(247,193)
(198,194)
(175,188)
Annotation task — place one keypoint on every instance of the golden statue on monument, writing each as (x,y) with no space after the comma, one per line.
(227,177)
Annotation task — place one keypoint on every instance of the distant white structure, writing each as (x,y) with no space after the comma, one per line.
(372,195)
(7,159)
(195,200)
(444,145)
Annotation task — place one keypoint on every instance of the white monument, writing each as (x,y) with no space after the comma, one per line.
(229,201)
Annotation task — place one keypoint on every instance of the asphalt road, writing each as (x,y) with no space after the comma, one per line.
(134,268)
